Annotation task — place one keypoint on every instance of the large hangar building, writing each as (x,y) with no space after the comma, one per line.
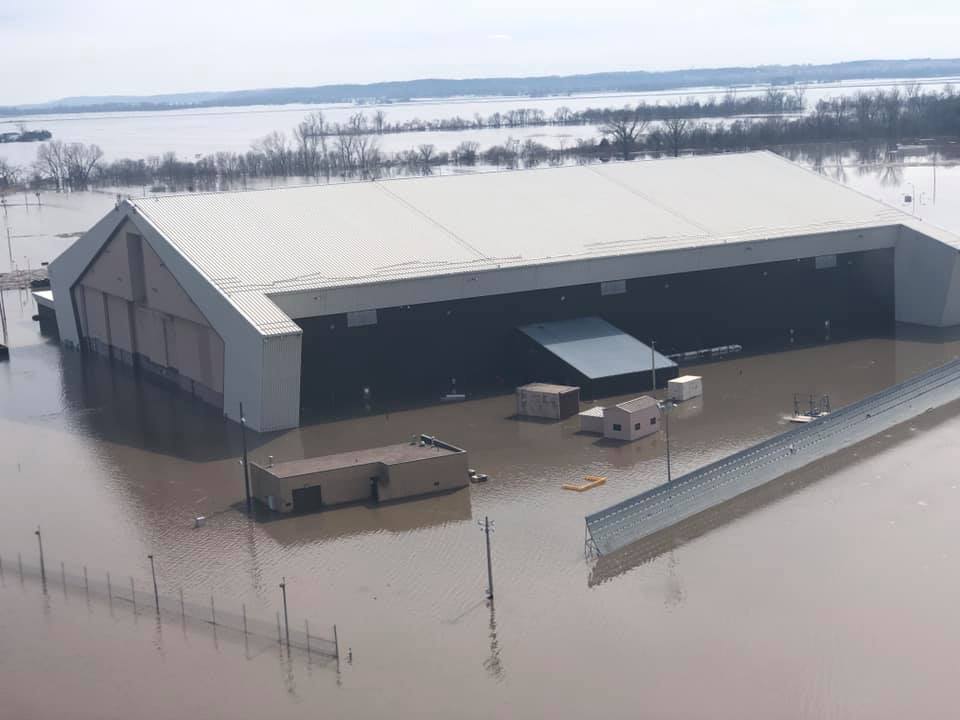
(292,301)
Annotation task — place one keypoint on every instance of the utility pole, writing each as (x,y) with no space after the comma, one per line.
(653,365)
(246,470)
(286,619)
(488,528)
(43,569)
(156,595)
(667,427)
(665,407)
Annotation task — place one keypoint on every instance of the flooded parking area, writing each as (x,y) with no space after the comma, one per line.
(824,595)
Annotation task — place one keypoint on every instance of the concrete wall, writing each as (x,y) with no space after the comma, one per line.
(420,477)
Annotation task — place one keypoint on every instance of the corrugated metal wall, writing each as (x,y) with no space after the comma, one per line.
(280,389)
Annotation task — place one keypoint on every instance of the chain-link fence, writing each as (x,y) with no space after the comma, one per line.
(124,593)
(662,507)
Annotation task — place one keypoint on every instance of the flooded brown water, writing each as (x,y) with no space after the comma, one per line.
(831,594)
(834,597)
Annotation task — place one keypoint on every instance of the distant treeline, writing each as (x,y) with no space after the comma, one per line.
(319,149)
(773,101)
(401,91)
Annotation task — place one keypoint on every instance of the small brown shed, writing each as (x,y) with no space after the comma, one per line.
(555,402)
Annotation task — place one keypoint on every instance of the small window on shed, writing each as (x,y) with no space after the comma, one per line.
(616,427)
(653,421)
(637,426)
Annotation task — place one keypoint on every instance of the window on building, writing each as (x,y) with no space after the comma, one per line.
(637,426)
(616,427)
(653,421)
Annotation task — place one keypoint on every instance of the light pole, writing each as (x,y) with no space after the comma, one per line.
(653,365)
(487,527)
(666,406)
(286,618)
(246,471)
(156,595)
(43,569)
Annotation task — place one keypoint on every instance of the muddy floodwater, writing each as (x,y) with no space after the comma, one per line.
(834,595)
(831,594)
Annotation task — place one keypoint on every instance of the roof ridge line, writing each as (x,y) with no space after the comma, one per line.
(650,200)
(410,206)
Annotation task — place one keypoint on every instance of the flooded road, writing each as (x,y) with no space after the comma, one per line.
(823,601)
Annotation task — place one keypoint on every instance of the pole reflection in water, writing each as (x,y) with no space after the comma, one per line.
(493,664)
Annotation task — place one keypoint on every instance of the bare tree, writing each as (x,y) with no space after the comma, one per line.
(81,161)
(379,120)
(10,174)
(52,163)
(311,139)
(425,154)
(624,129)
(562,115)
(676,131)
(466,152)
(276,152)
(800,96)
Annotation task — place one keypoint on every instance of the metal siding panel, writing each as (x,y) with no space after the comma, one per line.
(94,313)
(281,382)
(119,323)
(150,340)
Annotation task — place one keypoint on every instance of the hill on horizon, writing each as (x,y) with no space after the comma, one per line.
(405,90)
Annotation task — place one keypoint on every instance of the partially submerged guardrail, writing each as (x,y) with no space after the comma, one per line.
(666,505)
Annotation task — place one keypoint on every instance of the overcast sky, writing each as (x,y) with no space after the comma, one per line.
(56,48)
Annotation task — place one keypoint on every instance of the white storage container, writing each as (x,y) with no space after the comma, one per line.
(591,420)
(685,387)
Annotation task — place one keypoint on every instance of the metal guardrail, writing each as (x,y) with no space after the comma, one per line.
(663,506)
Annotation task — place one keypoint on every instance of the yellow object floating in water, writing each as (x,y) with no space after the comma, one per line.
(592,481)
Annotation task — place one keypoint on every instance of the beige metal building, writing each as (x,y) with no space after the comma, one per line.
(281,299)
(130,307)
(393,472)
(632,419)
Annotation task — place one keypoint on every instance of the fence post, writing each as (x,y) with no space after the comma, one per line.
(43,569)
(153,573)
(133,595)
(336,645)
(244,607)
(213,612)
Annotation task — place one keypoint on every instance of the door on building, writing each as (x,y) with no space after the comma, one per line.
(308,499)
